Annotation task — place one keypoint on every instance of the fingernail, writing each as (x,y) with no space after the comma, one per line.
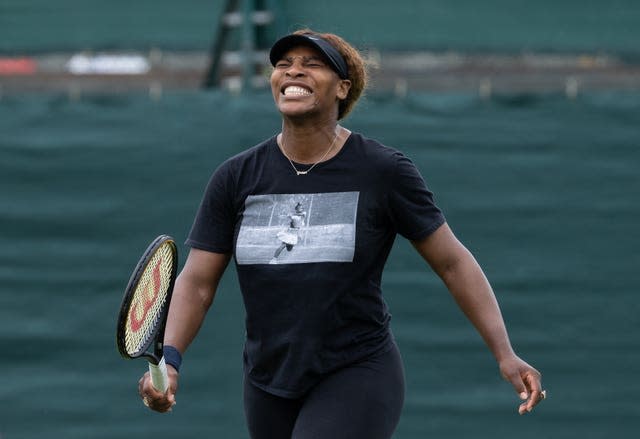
(523,395)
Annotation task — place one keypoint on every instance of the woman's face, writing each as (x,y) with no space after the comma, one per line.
(303,84)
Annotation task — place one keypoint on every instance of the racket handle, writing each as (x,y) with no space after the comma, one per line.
(159,377)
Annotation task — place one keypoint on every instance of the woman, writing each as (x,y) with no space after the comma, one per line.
(289,237)
(320,360)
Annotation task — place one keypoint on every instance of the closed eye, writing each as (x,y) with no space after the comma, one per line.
(313,61)
(282,64)
(307,61)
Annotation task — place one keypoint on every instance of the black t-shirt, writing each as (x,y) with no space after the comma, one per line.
(309,252)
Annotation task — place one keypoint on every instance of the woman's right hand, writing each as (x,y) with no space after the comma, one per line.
(153,398)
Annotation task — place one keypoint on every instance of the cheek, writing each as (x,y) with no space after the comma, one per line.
(275,89)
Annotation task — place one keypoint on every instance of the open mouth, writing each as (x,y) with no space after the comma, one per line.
(296,90)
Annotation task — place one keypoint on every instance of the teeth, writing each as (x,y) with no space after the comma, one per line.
(296,91)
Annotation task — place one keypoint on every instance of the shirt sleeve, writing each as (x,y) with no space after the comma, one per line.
(411,203)
(213,227)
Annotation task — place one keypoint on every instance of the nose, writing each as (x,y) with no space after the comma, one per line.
(296,68)
(294,72)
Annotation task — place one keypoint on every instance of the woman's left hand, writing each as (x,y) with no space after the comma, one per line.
(526,380)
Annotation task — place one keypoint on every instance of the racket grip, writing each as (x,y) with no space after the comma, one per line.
(159,377)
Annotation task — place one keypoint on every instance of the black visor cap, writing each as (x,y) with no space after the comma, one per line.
(336,61)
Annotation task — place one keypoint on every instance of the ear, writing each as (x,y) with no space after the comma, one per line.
(343,89)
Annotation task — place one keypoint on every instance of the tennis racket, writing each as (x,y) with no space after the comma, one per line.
(144,308)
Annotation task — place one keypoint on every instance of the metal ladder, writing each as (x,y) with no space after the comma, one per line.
(239,54)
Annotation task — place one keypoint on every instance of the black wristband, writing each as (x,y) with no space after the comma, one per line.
(172,356)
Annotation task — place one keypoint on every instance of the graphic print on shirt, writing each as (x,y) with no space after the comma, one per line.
(298,228)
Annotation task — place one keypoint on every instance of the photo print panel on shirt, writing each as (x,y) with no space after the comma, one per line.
(298,228)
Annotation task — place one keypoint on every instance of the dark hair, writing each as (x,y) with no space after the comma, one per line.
(356,65)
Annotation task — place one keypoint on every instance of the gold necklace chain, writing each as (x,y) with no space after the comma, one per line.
(298,172)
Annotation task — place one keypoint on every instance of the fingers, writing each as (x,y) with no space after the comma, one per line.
(532,381)
(518,384)
(154,399)
(526,381)
(535,399)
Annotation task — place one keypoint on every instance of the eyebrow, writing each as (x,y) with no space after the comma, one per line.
(305,59)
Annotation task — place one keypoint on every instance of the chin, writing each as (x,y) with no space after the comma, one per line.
(295,110)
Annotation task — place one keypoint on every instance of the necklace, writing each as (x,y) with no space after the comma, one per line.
(298,172)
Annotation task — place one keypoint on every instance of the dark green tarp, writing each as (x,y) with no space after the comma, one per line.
(463,25)
(544,190)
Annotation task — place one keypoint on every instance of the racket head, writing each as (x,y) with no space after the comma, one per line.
(146,299)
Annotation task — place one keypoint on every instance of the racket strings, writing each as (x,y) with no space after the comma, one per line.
(148,300)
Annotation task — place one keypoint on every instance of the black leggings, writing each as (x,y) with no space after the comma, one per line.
(361,401)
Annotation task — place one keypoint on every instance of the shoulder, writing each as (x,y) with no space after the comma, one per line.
(375,148)
(390,165)
(252,154)
(377,154)
(227,176)
(244,163)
